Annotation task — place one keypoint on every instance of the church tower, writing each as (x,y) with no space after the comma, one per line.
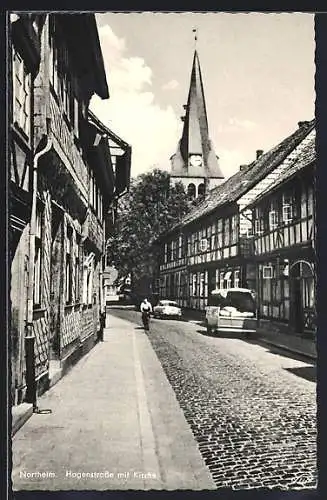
(195,163)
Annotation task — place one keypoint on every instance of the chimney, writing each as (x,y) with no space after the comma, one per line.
(303,124)
(242,167)
(259,153)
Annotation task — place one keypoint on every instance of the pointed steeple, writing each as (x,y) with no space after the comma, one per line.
(195,156)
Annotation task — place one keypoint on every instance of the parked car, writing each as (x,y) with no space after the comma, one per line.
(167,309)
(231,310)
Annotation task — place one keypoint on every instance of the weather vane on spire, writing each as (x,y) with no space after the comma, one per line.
(195,31)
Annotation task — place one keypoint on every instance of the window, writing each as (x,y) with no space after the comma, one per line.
(168,252)
(38,258)
(189,246)
(273,220)
(287,208)
(234,229)
(202,283)
(258,227)
(201,190)
(227,235)
(99,205)
(249,232)
(69,266)
(191,191)
(61,77)
(194,284)
(217,285)
(310,201)
(90,283)
(180,246)
(267,272)
(173,250)
(220,233)
(221,279)
(213,242)
(303,203)
(194,244)
(22,90)
(53,58)
(165,253)
(203,245)
(88,278)
(76,117)
(77,271)
(308,292)
(94,194)
(228,280)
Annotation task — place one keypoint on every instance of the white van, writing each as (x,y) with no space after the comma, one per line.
(231,310)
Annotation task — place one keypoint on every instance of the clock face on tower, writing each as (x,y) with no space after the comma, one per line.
(196,160)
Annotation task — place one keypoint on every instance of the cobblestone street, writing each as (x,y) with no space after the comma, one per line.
(252,411)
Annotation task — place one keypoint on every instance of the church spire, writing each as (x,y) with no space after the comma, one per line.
(195,156)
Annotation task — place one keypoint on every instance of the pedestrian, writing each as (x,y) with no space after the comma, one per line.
(146,310)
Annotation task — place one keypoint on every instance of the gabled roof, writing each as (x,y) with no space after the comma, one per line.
(241,182)
(306,157)
(195,136)
(81,33)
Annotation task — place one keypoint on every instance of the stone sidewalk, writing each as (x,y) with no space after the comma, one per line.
(115,425)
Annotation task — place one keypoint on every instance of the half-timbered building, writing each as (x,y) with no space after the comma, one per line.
(24,53)
(75,178)
(283,220)
(213,245)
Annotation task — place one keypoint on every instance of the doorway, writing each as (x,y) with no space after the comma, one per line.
(301,295)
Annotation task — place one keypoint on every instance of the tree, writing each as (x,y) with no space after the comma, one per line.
(151,207)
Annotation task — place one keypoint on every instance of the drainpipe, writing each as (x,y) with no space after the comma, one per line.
(29,332)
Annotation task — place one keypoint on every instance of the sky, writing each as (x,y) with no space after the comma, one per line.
(257,70)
